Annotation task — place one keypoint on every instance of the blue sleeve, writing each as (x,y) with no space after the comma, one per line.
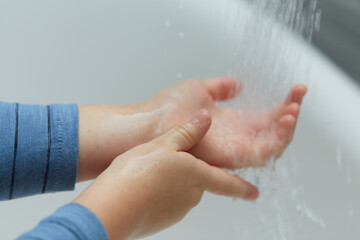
(38,149)
(70,222)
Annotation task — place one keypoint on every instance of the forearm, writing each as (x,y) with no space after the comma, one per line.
(120,211)
(106,131)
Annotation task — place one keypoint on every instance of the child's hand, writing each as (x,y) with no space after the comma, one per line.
(154,185)
(234,140)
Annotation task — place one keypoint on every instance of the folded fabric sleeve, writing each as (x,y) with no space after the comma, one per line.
(70,222)
(38,149)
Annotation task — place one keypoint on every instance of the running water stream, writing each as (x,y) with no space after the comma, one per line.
(309,192)
(263,60)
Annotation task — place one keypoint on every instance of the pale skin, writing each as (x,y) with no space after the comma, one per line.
(164,162)
(234,140)
(154,185)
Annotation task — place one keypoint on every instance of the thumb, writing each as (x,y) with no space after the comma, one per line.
(187,135)
(222,89)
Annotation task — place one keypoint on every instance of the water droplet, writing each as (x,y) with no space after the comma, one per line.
(179,75)
(351,213)
(167,23)
(339,157)
(181,5)
(305,211)
(181,34)
(348,176)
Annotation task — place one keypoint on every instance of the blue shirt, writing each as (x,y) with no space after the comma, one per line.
(39,154)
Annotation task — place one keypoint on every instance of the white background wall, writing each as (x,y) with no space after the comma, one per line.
(103,52)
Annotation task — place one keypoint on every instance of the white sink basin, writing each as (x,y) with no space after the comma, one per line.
(102,51)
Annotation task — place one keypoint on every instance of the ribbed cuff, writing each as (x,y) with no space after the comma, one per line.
(38,149)
(7,138)
(64,125)
(72,221)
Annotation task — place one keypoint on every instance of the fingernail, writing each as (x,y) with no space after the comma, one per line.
(202,116)
(252,195)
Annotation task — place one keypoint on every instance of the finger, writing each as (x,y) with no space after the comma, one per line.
(296,94)
(187,135)
(284,131)
(222,89)
(219,182)
(285,127)
(293,109)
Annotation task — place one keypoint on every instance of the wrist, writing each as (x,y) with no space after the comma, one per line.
(107,131)
(120,212)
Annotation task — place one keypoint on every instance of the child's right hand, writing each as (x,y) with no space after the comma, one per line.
(154,185)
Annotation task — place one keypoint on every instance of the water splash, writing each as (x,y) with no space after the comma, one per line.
(281,205)
(264,61)
(305,211)
(264,57)
(301,16)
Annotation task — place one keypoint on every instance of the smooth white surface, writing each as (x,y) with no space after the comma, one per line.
(125,51)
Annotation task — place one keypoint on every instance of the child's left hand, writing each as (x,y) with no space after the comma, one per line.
(234,140)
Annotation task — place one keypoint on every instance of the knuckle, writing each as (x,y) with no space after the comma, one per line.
(195,83)
(185,131)
(190,81)
(225,190)
(196,199)
(196,202)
